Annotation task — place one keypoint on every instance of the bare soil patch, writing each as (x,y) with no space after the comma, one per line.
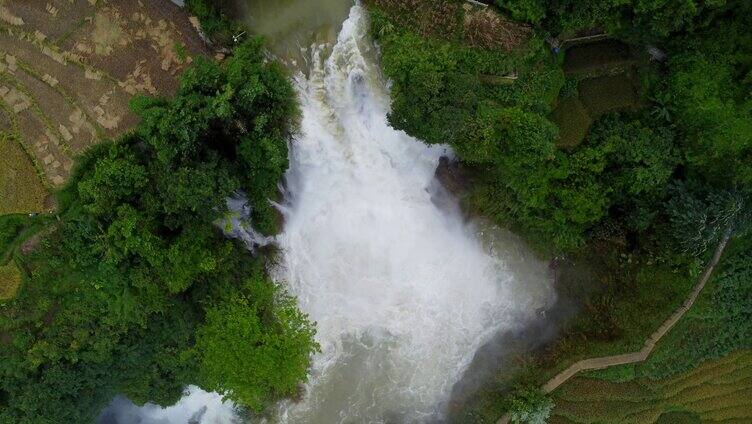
(487,28)
(68,69)
(52,17)
(144,45)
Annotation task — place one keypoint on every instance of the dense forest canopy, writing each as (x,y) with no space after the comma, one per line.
(135,290)
(689,137)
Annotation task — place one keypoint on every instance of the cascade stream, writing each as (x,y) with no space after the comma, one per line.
(404,290)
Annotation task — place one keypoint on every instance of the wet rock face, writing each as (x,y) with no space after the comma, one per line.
(452,176)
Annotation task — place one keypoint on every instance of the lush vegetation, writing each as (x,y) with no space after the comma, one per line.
(631,170)
(529,405)
(713,391)
(622,298)
(215,24)
(694,132)
(638,21)
(644,170)
(718,324)
(134,289)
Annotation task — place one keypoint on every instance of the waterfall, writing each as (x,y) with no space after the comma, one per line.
(403,290)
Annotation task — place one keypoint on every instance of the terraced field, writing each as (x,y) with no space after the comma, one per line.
(605,72)
(715,391)
(68,69)
(21,187)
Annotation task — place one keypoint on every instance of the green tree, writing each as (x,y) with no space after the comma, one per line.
(641,157)
(702,215)
(259,330)
(710,104)
(135,275)
(529,405)
(214,22)
(639,21)
(532,11)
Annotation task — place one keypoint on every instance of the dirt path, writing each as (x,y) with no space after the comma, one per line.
(642,354)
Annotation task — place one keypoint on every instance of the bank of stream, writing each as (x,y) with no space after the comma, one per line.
(416,304)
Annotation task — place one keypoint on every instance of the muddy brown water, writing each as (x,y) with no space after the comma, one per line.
(291,27)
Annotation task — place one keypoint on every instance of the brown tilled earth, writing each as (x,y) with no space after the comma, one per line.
(68,69)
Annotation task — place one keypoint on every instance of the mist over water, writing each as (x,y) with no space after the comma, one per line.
(196,407)
(403,290)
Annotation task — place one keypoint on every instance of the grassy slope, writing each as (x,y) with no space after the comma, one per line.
(624,299)
(703,365)
(605,75)
(10,280)
(59,95)
(573,121)
(717,390)
(15,230)
(21,189)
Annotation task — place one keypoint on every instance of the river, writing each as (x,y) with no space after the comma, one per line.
(403,288)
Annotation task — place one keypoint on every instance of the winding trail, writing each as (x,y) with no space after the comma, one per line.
(642,354)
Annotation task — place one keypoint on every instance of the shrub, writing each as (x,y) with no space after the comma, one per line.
(529,405)
(531,11)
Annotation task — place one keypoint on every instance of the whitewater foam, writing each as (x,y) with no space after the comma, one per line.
(402,289)
(403,292)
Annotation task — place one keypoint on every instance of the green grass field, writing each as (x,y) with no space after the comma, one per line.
(597,57)
(604,78)
(595,97)
(701,371)
(625,300)
(10,280)
(21,189)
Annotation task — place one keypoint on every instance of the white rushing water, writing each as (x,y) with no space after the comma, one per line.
(402,289)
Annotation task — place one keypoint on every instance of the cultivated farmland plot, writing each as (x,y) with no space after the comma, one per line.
(68,69)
